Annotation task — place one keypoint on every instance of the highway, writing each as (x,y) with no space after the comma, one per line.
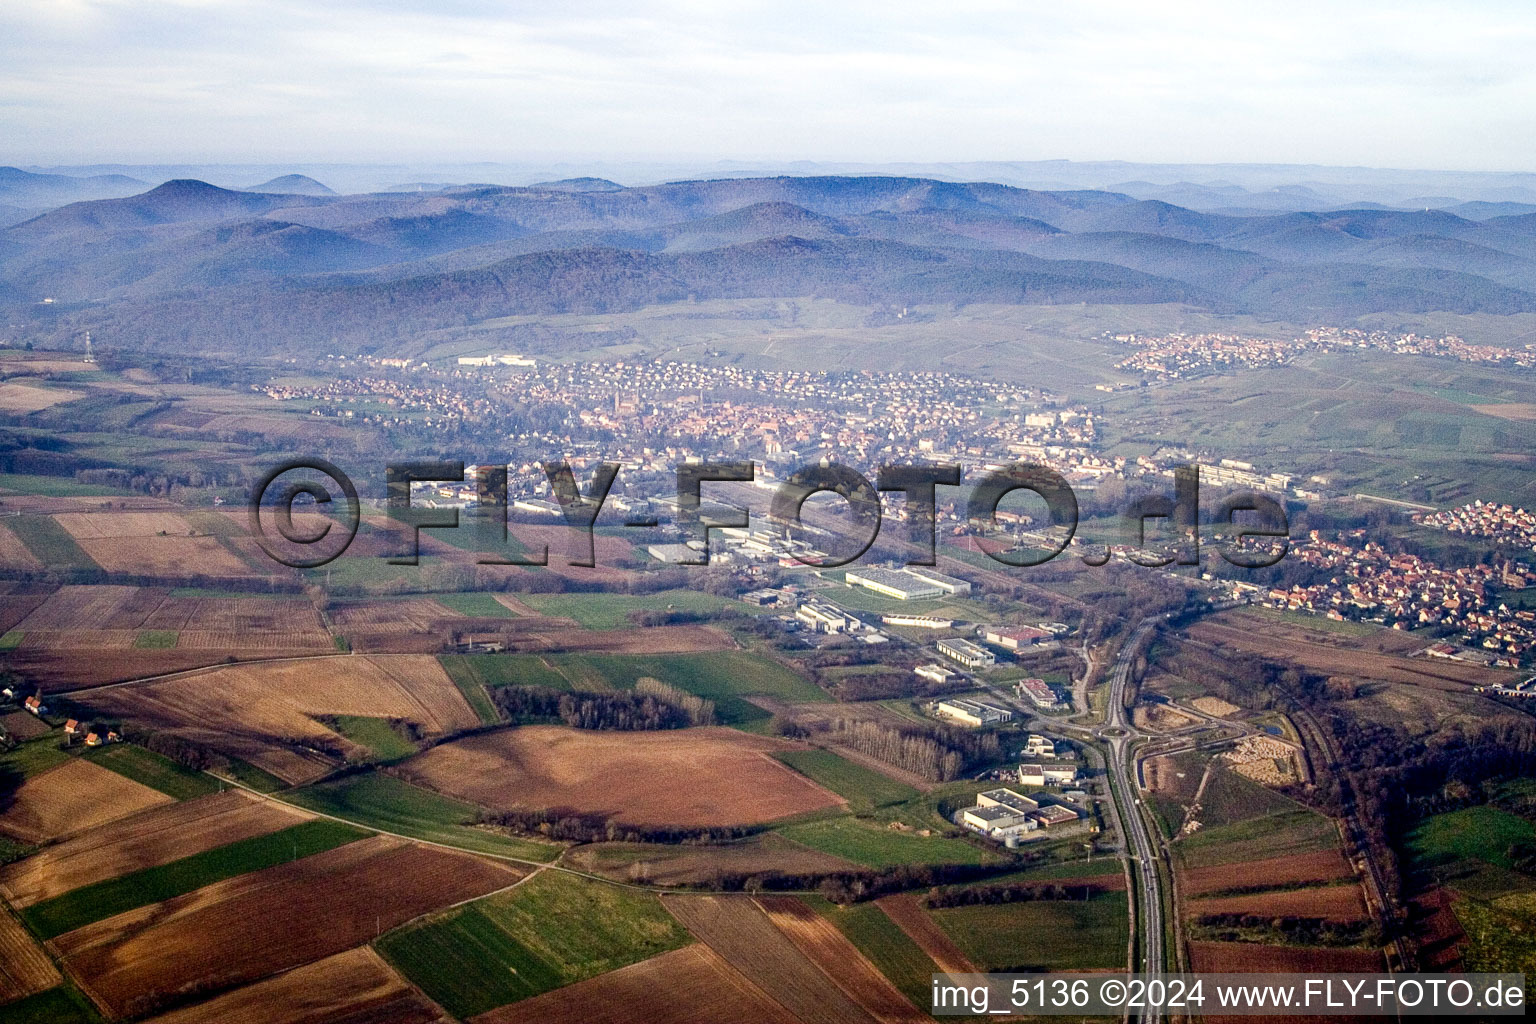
(1140,847)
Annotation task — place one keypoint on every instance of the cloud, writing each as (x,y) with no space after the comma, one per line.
(1399,84)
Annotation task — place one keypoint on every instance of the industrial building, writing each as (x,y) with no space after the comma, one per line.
(1042,695)
(827,618)
(949,584)
(919,621)
(936,673)
(972,712)
(966,653)
(1047,774)
(1016,637)
(898,583)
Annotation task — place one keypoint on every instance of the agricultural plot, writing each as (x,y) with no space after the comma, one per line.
(90,607)
(552,930)
(75,796)
(24,968)
(1276,835)
(823,943)
(724,677)
(145,840)
(153,770)
(743,935)
(701,864)
(23,726)
(50,544)
(692,985)
(354,986)
(906,913)
(96,902)
(1050,935)
(385,803)
(611,611)
(1254,958)
(894,954)
(1300,869)
(863,788)
(132,963)
(1332,902)
(14,553)
(258,712)
(880,846)
(688,777)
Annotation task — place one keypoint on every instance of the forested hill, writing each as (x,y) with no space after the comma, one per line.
(188,266)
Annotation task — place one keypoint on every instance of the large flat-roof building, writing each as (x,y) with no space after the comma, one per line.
(1016,637)
(897,583)
(935,673)
(972,712)
(949,584)
(826,618)
(1042,695)
(966,653)
(1000,813)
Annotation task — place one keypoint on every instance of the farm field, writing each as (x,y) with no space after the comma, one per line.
(386,803)
(1334,902)
(128,963)
(611,611)
(1251,957)
(822,943)
(254,712)
(740,931)
(101,900)
(724,677)
(354,986)
(863,788)
(1482,833)
(494,670)
(906,913)
(877,846)
(691,864)
(1276,835)
(883,943)
(1299,869)
(630,776)
(23,725)
(153,770)
(692,985)
(145,840)
(72,797)
(1053,935)
(24,968)
(551,930)
(376,735)
(49,544)
(14,554)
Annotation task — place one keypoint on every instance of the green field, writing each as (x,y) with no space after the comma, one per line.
(378,801)
(50,543)
(611,611)
(248,774)
(722,676)
(1230,798)
(11,639)
(374,733)
(1049,935)
(54,486)
(60,1005)
(878,847)
(34,757)
(1277,835)
(1482,833)
(551,930)
(155,771)
(885,944)
(155,639)
(141,888)
(1317,622)
(476,606)
(503,670)
(462,671)
(863,788)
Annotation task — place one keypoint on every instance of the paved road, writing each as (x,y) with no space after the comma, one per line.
(1133,824)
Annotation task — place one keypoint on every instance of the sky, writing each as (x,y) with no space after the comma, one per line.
(1402,84)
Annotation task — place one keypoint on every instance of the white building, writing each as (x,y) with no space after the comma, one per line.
(897,583)
(826,618)
(966,653)
(1042,695)
(949,584)
(1047,774)
(972,712)
(935,673)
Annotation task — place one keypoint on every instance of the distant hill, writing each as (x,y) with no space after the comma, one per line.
(30,191)
(266,272)
(292,185)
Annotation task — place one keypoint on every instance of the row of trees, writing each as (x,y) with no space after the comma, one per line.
(934,752)
(1014,892)
(580,709)
(577,827)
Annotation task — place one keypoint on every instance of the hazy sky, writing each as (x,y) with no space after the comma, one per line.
(1400,84)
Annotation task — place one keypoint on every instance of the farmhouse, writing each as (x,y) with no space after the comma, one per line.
(972,712)
(34,704)
(901,584)
(1042,695)
(966,653)
(1016,637)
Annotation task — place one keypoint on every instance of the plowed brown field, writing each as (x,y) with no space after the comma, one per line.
(692,985)
(911,918)
(1252,958)
(1321,866)
(73,797)
(738,929)
(24,967)
(252,711)
(1334,902)
(144,840)
(710,776)
(238,931)
(355,987)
